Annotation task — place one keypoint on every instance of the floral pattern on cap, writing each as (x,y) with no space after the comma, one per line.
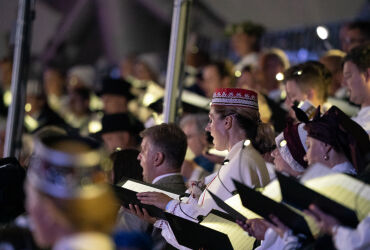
(235,97)
(67,175)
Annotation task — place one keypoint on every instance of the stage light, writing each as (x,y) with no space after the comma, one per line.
(279,76)
(322,32)
(7,98)
(247,143)
(95,126)
(28,107)
(283,143)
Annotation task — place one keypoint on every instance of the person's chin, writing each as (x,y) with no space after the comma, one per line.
(145,179)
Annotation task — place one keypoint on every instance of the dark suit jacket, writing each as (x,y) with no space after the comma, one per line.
(173,183)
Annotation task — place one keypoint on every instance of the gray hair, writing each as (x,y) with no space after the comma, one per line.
(200,121)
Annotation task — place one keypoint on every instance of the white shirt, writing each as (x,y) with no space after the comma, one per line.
(345,168)
(273,241)
(363,118)
(245,165)
(345,106)
(350,239)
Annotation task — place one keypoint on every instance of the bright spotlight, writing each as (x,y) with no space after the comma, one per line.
(322,32)
(28,107)
(279,76)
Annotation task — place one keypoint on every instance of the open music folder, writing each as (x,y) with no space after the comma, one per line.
(228,209)
(196,236)
(300,197)
(264,206)
(127,189)
(225,223)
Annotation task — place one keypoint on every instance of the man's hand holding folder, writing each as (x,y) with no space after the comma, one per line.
(147,201)
(142,213)
(157,199)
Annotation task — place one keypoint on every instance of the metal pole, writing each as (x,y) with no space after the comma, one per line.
(14,123)
(175,65)
(60,34)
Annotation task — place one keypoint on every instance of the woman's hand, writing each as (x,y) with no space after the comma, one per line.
(325,221)
(154,198)
(254,227)
(279,227)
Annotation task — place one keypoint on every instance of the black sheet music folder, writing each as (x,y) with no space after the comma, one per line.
(196,236)
(300,197)
(264,206)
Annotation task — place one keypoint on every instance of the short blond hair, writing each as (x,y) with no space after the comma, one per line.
(97,213)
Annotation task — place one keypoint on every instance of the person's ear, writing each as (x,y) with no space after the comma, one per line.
(158,159)
(228,121)
(327,148)
(367,75)
(310,94)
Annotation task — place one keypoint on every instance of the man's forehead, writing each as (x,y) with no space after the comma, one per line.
(145,142)
(291,85)
(291,82)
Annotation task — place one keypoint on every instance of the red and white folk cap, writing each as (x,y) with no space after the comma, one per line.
(235,97)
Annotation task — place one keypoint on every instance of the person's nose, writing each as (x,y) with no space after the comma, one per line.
(273,153)
(208,128)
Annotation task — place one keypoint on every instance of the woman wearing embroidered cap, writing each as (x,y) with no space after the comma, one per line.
(235,126)
(291,149)
(68,202)
(337,142)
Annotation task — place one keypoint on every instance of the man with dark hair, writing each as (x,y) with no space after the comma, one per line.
(307,81)
(215,75)
(357,33)
(245,42)
(38,112)
(162,153)
(78,114)
(356,73)
(115,93)
(121,131)
(54,83)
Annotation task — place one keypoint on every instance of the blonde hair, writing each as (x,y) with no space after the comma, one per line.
(261,134)
(97,213)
